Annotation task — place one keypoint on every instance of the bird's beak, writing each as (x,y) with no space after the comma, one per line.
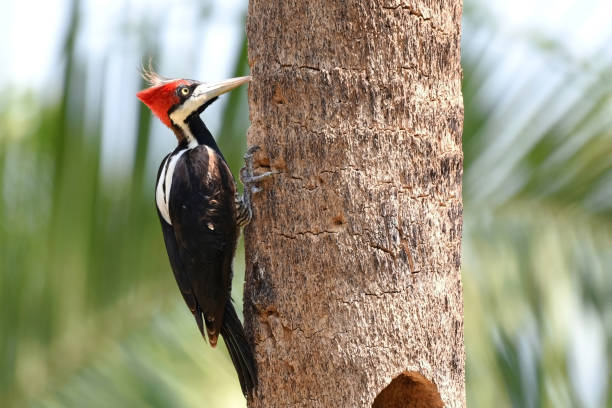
(205,92)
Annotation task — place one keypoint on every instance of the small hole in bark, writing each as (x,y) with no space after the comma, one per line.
(262,161)
(338,219)
(270,311)
(338,223)
(409,390)
(278,97)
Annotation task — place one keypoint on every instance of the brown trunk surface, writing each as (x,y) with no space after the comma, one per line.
(353,255)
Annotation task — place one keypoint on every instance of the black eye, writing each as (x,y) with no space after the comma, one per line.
(184,91)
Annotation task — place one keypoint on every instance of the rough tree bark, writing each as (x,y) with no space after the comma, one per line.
(353,255)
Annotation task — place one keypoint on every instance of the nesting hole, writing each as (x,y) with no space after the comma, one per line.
(409,390)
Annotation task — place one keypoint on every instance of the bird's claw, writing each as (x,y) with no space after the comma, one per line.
(244,210)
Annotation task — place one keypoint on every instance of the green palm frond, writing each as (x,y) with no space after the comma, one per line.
(538,221)
(88,302)
(163,363)
(532,277)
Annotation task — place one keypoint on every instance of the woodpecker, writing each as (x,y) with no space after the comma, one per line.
(200,212)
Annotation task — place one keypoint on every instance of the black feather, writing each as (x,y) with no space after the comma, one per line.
(239,349)
(201,242)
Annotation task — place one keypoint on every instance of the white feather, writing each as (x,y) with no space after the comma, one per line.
(164,185)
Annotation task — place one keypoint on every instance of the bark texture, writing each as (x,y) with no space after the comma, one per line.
(354,252)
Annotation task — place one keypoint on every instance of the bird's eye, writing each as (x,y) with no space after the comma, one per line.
(184,91)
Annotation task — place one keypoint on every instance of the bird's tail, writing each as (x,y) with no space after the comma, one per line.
(239,349)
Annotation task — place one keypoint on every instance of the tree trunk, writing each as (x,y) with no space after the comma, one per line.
(353,254)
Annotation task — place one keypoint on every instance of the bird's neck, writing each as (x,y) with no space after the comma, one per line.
(200,134)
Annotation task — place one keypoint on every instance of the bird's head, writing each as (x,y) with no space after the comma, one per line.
(174,101)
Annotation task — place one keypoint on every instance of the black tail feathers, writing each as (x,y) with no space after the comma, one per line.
(239,349)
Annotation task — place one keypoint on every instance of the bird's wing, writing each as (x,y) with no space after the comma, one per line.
(202,212)
(180,274)
(182,279)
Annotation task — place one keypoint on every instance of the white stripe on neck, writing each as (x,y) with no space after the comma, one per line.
(179,118)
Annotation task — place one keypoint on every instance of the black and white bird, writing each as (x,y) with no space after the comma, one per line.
(200,212)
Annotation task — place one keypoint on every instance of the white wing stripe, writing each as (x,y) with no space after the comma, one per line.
(164,185)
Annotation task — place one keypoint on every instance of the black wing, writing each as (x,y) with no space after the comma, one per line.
(175,262)
(201,242)
(202,212)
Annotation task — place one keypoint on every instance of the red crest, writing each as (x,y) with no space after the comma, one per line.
(161,98)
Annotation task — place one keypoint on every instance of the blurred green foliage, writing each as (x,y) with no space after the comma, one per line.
(90,316)
(538,217)
(89,311)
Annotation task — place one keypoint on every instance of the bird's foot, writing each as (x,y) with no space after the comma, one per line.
(244,210)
